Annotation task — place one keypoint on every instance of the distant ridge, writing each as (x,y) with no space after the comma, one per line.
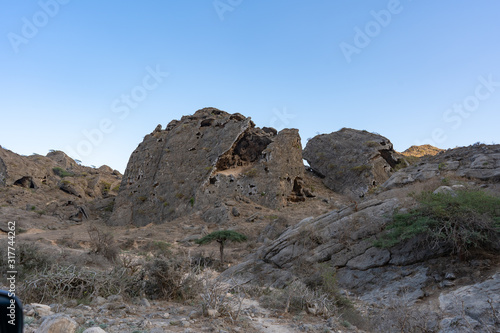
(423,150)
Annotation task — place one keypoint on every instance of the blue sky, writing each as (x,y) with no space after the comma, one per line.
(92,78)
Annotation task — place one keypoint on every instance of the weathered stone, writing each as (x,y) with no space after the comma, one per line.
(445,190)
(460,324)
(216,215)
(373,257)
(40,310)
(94,330)
(479,301)
(235,212)
(351,161)
(212,313)
(57,323)
(203,160)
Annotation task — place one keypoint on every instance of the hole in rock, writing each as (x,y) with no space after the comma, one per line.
(246,150)
(26,181)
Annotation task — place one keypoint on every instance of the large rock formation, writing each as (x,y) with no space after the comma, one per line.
(477,162)
(201,159)
(352,162)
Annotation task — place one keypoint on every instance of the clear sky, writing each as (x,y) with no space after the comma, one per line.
(92,78)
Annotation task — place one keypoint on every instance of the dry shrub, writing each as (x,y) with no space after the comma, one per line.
(103,242)
(70,282)
(297,297)
(214,297)
(225,299)
(30,258)
(170,278)
(68,241)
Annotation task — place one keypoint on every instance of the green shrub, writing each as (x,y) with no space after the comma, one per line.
(221,237)
(110,206)
(465,220)
(62,173)
(105,187)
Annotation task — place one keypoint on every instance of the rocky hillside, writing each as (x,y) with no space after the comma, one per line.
(441,290)
(56,185)
(359,241)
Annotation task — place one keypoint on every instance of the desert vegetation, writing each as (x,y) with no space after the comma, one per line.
(462,220)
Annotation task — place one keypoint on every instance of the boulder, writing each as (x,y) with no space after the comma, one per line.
(94,330)
(200,161)
(352,162)
(58,323)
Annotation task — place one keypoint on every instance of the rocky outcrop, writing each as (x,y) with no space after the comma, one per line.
(343,240)
(480,162)
(56,170)
(423,150)
(201,159)
(54,184)
(352,162)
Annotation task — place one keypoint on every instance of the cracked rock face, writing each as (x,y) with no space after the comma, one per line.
(352,162)
(199,160)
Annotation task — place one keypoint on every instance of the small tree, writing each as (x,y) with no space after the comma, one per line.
(221,237)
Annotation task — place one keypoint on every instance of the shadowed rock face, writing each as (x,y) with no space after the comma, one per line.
(352,162)
(201,159)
